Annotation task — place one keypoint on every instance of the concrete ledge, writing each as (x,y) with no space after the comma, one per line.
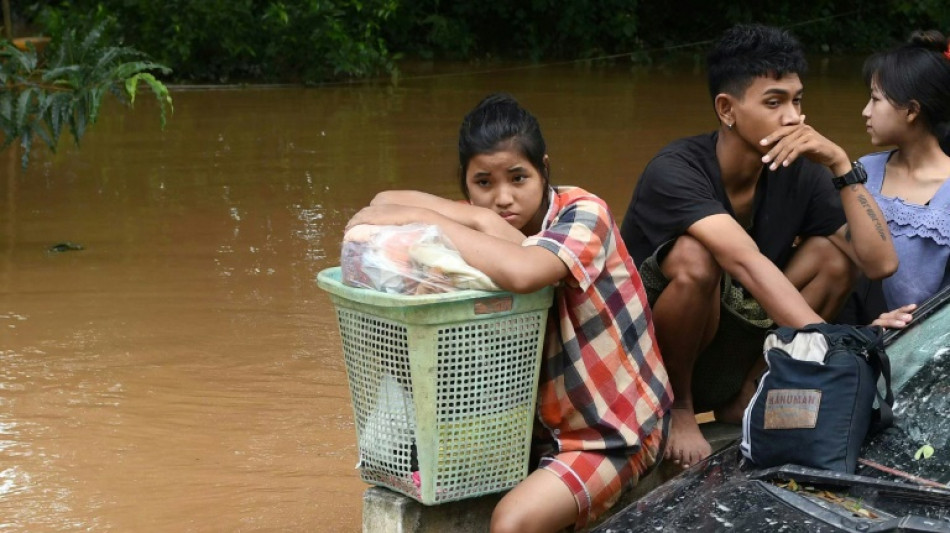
(388,511)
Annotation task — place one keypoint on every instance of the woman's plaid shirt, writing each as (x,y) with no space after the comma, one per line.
(603,385)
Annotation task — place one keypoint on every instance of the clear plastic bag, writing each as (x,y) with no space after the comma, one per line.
(410,259)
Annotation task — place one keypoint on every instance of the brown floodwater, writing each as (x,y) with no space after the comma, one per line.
(183,372)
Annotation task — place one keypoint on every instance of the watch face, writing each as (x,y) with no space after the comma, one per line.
(860,173)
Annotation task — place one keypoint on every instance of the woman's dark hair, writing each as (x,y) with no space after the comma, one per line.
(748,51)
(497,123)
(917,74)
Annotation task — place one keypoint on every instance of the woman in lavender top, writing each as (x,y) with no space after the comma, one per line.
(910,109)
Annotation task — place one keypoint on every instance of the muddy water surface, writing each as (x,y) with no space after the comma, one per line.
(183,372)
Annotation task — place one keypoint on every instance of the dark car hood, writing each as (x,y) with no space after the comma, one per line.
(723,494)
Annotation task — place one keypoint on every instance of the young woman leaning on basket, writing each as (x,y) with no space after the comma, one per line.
(604,393)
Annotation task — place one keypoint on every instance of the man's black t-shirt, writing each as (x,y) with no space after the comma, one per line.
(682,185)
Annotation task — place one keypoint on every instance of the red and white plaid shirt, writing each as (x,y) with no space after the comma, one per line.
(603,385)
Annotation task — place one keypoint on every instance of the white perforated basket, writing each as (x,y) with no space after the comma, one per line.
(442,385)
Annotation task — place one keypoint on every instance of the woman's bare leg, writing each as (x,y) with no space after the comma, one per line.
(540,503)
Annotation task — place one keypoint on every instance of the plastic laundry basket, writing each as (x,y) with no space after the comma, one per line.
(443,386)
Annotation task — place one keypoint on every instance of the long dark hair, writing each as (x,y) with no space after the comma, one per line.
(917,74)
(499,122)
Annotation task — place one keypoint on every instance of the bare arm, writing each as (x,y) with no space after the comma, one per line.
(738,255)
(865,238)
(477,218)
(515,268)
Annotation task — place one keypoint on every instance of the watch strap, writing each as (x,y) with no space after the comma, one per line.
(856,175)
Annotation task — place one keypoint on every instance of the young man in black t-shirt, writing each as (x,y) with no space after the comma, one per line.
(759,223)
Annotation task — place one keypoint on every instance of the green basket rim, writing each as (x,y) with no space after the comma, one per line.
(329,279)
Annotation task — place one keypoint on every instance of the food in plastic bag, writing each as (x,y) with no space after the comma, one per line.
(410,259)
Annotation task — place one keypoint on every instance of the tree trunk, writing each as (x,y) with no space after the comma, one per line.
(7,23)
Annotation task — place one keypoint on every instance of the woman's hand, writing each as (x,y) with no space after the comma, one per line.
(896,319)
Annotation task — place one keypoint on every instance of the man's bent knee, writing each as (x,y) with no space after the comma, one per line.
(820,258)
(823,273)
(690,263)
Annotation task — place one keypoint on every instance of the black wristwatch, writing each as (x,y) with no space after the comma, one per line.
(855,176)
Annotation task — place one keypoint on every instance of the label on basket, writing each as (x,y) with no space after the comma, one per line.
(792,408)
(487,306)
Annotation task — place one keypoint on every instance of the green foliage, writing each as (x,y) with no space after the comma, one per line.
(924,14)
(823,26)
(578,29)
(313,41)
(222,41)
(532,29)
(40,99)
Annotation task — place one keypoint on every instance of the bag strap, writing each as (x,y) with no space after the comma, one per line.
(882,417)
(869,342)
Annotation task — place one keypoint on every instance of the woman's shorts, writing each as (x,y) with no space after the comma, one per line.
(722,366)
(598,478)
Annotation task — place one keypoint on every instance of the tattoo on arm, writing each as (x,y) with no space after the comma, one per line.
(873,216)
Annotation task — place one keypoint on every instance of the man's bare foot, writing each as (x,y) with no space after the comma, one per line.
(687,445)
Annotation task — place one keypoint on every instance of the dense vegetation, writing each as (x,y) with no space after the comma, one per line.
(318,40)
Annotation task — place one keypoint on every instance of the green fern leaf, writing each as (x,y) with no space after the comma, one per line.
(26,141)
(77,120)
(61,74)
(58,109)
(26,59)
(8,128)
(92,39)
(7,123)
(44,135)
(6,105)
(18,58)
(131,85)
(105,62)
(40,105)
(66,114)
(131,68)
(94,101)
(161,95)
(23,109)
